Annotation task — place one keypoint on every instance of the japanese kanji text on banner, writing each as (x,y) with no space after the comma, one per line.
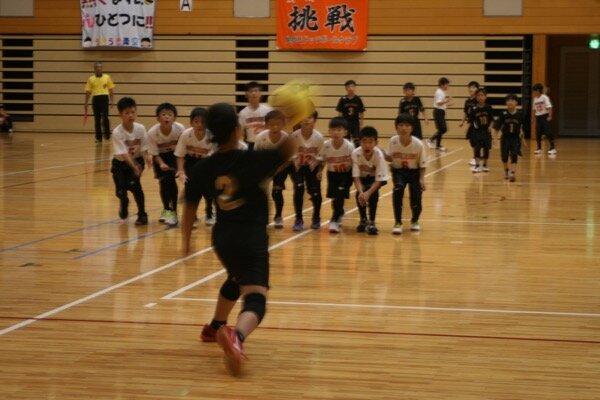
(117,23)
(322,24)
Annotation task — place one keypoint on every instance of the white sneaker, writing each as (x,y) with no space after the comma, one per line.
(163,215)
(210,221)
(430,144)
(397,230)
(278,223)
(538,151)
(415,227)
(485,169)
(441,149)
(473,162)
(552,152)
(334,227)
(195,224)
(171,219)
(476,169)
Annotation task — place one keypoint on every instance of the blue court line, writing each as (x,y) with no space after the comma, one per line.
(114,246)
(112,221)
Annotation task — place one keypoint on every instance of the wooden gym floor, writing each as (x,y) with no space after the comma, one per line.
(497,298)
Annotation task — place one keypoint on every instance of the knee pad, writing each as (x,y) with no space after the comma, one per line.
(257,304)
(230,290)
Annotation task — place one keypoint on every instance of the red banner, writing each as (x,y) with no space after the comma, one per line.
(322,24)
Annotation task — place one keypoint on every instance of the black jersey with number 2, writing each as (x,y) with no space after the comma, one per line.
(510,123)
(233,179)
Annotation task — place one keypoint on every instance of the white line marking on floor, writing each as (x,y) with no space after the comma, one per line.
(155,271)
(411,308)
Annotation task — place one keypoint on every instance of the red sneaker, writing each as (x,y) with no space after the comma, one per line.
(233,349)
(208,334)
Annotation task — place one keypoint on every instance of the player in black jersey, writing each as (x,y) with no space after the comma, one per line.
(481,118)
(470,103)
(351,108)
(411,104)
(510,125)
(233,178)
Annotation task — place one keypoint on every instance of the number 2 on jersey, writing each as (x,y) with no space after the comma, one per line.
(228,187)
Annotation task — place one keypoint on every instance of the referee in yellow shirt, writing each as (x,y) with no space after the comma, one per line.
(100,88)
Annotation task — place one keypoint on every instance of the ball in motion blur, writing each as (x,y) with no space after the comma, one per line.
(294,100)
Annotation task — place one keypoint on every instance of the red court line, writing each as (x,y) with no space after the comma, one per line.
(323,330)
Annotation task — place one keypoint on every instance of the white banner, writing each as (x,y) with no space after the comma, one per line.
(117,23)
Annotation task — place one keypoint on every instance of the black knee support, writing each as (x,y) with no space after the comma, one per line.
(230,290)
(256,303)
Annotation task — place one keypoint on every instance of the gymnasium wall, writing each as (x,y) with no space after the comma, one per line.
(43,76)
(387,17)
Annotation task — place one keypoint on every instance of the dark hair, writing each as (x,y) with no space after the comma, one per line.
(252,85)
(198,112)
(538,87)
(221,121)
(274,114)
(315,115)
(481,90)
(368,132)
(409,85)
(350,82)
(443,81)
(146,39)
(338,122)
(473,84)
(511,96)
(166,106)
(123,103)
(404,118)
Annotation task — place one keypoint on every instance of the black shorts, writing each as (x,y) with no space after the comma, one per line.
(189,162)
(244,251)
(338,184)
(121,167)
(510,145)
(543,125)
(368,181)
(482,139)
(169,159)
(405,176)
(280,178)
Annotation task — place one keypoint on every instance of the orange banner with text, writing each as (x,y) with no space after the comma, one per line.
(322,24)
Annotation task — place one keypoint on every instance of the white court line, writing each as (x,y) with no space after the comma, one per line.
(101,292)
(146,274)
(222,271)
(488,221)
(215,274)
(54,167)
(410,308)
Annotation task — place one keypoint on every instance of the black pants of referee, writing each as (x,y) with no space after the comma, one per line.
(101,122)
